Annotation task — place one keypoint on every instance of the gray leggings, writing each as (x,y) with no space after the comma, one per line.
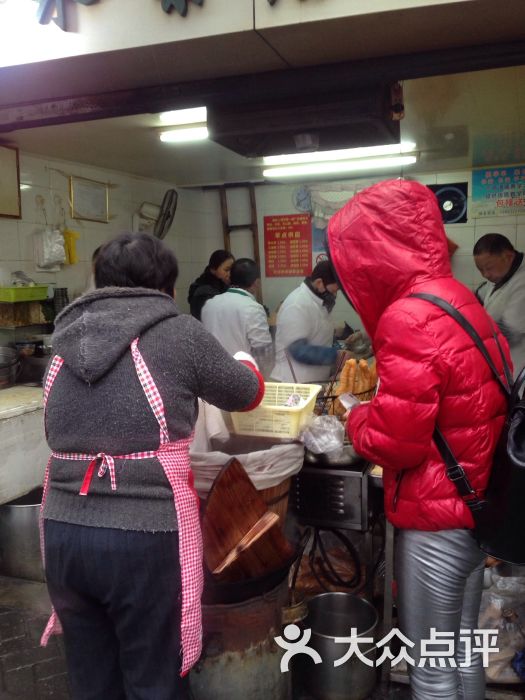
(440,579)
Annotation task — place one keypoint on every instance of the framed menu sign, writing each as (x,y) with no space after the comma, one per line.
(288,245)
(89,199)
(9,183)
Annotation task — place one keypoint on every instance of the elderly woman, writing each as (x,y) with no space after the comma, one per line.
(123,547)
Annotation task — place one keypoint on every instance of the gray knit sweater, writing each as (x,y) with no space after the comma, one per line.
(97,403)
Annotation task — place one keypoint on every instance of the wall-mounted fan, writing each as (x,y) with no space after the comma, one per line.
(145,217)
(156,219)
(166,214)
(452,200)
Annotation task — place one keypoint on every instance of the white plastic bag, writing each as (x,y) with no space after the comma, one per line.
(266,468)
(324,434)
(503,609)
(49,248)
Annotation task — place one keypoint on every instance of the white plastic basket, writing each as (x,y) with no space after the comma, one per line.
(272,418)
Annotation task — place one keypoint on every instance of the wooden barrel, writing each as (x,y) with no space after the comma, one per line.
(276,498)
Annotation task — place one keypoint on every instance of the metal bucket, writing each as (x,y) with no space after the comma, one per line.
(332,615)
(9,367)
(240,659)
(20,539)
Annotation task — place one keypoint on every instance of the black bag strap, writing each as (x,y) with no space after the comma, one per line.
(469,328)
(455,471)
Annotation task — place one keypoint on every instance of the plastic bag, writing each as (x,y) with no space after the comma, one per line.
(503,608)
(49,248)
(266,468)
(324,434)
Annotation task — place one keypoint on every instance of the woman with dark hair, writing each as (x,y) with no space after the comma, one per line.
(214,280)
(123,549)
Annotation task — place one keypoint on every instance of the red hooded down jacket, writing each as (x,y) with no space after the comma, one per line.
(387,243)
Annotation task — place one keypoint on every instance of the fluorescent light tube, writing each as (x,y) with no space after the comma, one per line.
(346,166)
(183,135)
(178,117)
(342,154)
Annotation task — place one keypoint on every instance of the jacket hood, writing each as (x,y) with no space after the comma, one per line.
(93,332)
(385,241)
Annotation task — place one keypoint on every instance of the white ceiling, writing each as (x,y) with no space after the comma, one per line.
(457,121)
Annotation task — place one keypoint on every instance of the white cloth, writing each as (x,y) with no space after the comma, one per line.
(506,305)
(302,315)
(238,321)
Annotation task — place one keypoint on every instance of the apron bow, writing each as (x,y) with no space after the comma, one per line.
(105,462)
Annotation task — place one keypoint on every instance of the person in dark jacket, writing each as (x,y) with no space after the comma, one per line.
(123,548)
(387,243)
(214,280)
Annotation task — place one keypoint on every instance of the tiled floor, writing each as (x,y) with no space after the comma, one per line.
(27,670)
(30,672)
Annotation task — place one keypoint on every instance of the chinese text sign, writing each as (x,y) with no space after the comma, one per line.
(498,191)
(288,245)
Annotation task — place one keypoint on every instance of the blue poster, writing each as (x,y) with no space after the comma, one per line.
(319,244)
(498,191)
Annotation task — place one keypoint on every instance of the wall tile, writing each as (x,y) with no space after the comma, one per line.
(495,221)
(507,230)
(426,179)
(25,232)
(34,171)
(464,269)
(454,176)
(9,240)
(31,209)
(462,235)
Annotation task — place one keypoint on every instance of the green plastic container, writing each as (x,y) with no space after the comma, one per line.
(13,294)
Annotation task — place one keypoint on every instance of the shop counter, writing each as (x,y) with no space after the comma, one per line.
(24,451)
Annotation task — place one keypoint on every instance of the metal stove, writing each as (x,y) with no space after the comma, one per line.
(332,492)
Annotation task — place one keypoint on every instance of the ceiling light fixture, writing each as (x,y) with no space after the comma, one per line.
(342,154)
(184,134)
(178,117)
(334,167)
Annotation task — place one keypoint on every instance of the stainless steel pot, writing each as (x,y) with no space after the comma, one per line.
(332,615)
(7,356)
(20,539)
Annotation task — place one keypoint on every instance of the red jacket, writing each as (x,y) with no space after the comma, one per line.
(386,243)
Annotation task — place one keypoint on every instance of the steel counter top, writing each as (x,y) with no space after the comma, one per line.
(20,399)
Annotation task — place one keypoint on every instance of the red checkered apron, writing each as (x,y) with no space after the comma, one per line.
(175,460)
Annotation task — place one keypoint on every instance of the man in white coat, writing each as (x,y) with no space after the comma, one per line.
(305,331)
(503,295)
(237,319)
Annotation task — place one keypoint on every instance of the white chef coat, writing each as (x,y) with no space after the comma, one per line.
(302,315)
(238,321)
(506,305)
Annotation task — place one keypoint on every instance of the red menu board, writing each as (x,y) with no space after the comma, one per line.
(288,245)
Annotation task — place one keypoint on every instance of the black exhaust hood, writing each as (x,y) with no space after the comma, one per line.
(365,116)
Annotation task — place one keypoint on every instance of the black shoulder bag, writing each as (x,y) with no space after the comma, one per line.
(499,515)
